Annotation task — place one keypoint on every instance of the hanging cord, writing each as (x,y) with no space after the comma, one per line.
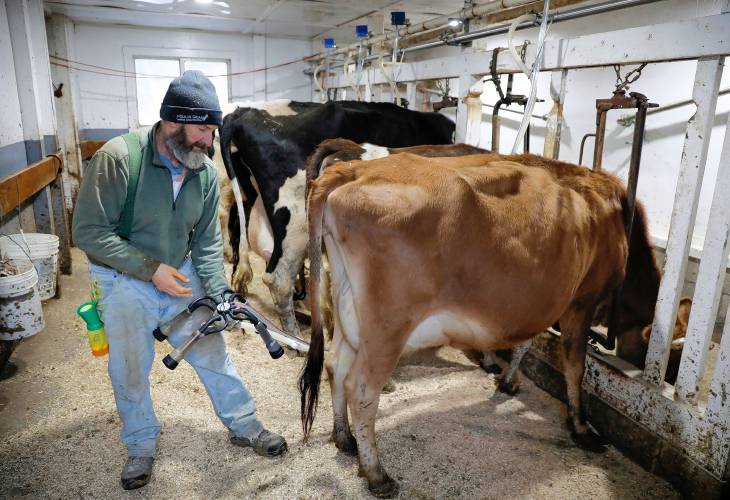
(20,220)
(316,79)
(5,235)
(359,68)
(354,85)
(391,82)
(532,75)
(20,223)
(103,70)
(346,71)
(510,42)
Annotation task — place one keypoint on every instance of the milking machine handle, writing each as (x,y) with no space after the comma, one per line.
(243,313)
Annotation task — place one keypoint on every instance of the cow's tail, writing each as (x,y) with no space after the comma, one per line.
(241,247)
(312,372)
(326,148)
(226,133)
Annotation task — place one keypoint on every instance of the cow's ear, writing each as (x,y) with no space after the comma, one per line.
(685,306)
(646,333)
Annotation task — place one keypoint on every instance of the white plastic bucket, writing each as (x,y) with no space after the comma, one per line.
(43,251)
(21,314)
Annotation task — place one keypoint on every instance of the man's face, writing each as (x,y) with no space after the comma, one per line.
(190,143)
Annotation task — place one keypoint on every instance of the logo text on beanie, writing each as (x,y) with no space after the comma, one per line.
(191,118)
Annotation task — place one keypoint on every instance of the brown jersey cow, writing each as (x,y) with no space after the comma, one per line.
(477,252)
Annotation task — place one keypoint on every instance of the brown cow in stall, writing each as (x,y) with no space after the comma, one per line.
(443,251)
(332,151)
(632,346)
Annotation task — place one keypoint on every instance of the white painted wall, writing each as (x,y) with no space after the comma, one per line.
(664,134)
(42,69)
(288,81)
(11,129)
(26,94)
(104,99)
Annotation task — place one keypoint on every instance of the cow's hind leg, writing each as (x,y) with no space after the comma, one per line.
(242,272)
(225,207)
(281,286)
(574,328)
(363,386)
(338,364)
(509,381)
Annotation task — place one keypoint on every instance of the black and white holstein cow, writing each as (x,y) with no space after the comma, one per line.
(272,149)
(254,219)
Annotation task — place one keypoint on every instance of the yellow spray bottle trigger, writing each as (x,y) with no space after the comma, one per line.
(94,328)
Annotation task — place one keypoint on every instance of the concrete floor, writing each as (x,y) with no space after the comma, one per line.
(444,433)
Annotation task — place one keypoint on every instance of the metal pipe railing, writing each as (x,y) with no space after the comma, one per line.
(570,14)
(628,120)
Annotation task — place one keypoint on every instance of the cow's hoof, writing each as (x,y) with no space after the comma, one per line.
(346,443)
(510,387)
(387,488)
(388,387)
(589,441)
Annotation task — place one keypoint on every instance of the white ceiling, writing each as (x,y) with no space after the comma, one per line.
(306,19)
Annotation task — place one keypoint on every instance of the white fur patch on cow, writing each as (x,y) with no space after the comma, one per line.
(294,245)
(277,107)
(373,152)
(230,107)
(443,328)
(260,235)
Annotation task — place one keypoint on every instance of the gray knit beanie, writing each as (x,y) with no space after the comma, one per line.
(191,98)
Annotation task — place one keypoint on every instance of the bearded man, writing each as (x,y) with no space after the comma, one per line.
(146,216)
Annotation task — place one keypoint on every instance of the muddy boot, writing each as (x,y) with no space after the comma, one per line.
(137,472)
(267,444)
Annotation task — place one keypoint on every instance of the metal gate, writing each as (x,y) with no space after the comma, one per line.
(686,441)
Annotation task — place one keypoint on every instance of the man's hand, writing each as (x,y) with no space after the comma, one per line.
(166,280)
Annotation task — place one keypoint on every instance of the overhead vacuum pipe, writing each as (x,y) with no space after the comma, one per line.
(467,13)
(575,13)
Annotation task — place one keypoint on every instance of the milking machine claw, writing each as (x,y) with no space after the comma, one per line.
(227,311)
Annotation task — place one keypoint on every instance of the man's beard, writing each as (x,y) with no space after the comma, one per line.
(184,153)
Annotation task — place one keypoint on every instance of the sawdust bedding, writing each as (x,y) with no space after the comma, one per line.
(444,433)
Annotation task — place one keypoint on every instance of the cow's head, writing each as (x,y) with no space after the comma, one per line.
(633,342)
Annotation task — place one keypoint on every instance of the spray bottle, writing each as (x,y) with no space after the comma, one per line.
(94,328)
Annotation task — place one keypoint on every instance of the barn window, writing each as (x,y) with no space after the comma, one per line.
(155,74)
(217,71)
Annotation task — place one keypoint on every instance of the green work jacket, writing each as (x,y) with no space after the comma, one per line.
(164,230)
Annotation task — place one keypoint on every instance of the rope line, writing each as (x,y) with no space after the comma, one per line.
(102,70)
